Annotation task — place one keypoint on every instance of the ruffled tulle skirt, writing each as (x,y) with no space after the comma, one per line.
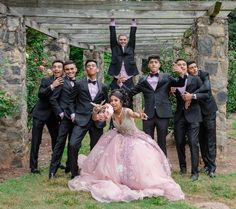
(125,167)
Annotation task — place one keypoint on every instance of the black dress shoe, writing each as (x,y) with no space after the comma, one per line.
(183,171)
(212,174)
(194,177)
(35,171)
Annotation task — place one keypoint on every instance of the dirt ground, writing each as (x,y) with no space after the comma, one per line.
(225,163)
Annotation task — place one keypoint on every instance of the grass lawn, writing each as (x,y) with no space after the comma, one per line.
(37,192)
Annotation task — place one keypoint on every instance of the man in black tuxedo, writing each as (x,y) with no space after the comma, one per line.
(42,113)
(60,105)
(207,134)
(157,106)
(122,60)
(186,121)
(86,91)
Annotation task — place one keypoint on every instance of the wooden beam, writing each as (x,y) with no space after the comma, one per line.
(74,20)
(122,14)
(117,5)
(76,43)
(106,31)
(105,27)
(139,37)
(214,9)
(188,33)
(32,24)
(144,43)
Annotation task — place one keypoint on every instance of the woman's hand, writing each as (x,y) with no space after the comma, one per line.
(143,115)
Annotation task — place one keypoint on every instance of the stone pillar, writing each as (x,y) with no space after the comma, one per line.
(210,50)
(57,48)
(13,129)
(99,57)
(137,99)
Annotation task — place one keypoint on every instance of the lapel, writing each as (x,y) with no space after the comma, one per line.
(160,78)
(51,79)
(189,81)
(147,83)
(67,82)
(85,85)
(99,89)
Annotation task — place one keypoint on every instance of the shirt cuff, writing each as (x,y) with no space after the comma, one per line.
(134,24)
(113,23)
(61,114)
(52,87)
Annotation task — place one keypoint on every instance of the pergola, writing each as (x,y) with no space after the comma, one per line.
(85,23)
(199,26)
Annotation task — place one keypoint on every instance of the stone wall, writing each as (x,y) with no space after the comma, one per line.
(57,48)
(13,130)
(207,44)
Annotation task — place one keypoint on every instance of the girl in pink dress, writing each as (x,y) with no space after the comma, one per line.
(126,164)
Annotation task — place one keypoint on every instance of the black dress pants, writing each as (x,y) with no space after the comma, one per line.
(161,124)
(65,130)
(207,141)
(77,136)
(183,128)
(52,124)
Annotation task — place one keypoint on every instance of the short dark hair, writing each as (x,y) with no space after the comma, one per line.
(155,57)
(68,62)
(57,60)
(90,60)
(180,59)
(191,62)
(122,35)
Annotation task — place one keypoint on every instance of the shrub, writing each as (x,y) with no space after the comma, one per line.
(231,102)
(8,103)
(37,64)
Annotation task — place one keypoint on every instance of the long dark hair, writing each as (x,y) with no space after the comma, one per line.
(122,95)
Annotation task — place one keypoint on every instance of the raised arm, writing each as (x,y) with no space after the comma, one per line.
(132,35)
(46,88)
(113,38)
(139,114)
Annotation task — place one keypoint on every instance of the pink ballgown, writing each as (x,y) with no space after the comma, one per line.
(126,164)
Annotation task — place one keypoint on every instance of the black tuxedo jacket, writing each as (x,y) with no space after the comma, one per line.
(43,110)
(193,113)
(60,99)
(118,56)
(208,105)
(157,100)
(80,102)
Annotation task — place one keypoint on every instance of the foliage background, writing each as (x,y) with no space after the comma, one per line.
(37,61)
(231,103)
(8,103)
